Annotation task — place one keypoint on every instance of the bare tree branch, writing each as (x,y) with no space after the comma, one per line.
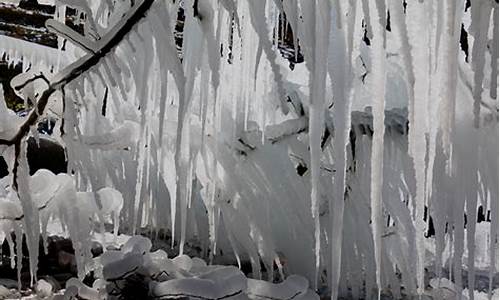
(395,119)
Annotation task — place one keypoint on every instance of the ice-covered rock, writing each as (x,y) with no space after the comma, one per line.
(445,289)
(130,263)
(4,292)
(293,286)
(226,282)
(134,267)
(137,244)
(183,262)
(43,289)
(75,287)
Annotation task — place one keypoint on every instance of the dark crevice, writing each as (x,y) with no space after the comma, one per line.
(464,43)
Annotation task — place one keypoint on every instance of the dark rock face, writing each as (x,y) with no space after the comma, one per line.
(27,22)
(35,6)
(3,168)
(45,154)
(56,265)
(7,72)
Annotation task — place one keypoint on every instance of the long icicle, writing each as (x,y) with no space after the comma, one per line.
(377,156)
(418,28)
(316,111)
(340,73)
(484,9)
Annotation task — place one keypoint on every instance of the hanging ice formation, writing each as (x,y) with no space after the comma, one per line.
(337,169)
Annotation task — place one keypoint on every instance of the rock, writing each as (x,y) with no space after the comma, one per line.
(66,260)
(44,154)
(4,292)
(96,249)
(137,244)
(43,289)
(56,285)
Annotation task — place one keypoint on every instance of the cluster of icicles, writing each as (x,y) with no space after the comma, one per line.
(222,142)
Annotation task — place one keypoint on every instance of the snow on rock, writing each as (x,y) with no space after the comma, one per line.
(183,262)
(122,267)
(293,286)
(43,289)
(5,293)
(137,244)
(228,282)
(181,276)
(76,288)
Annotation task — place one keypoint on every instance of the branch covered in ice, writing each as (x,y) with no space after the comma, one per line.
(395,119)
(73,71)
(68,33)
(23,79)
(10,121)
(277,132)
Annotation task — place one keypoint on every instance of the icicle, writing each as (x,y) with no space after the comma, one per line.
(211,38)
(377,158)
(471,209)
(19,252)
(419,123)
(191,59)
(30,210)
(340,74)
(453,16)
(433,106)
(258,22)
(8,236)
(367,19)
(494,206)
(483,9)
(458,222)
(494,56)
(290,8)
(400,26)
(161,22)
(321,27)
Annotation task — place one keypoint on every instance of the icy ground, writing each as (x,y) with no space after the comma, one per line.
(168,274)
